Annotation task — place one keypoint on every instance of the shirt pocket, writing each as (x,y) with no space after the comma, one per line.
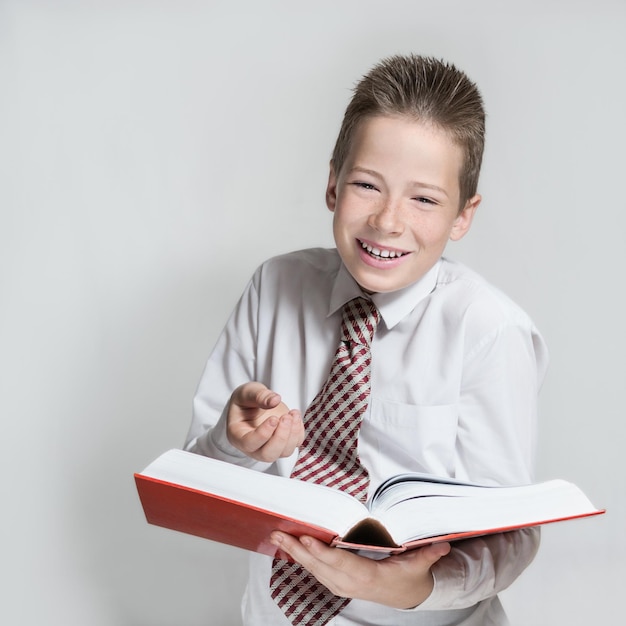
(409,437)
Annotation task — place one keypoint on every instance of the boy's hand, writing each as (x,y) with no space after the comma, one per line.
(262,426)
(403,581)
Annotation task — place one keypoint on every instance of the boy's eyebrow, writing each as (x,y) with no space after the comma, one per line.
(364,170)
(374,173)
(433,187)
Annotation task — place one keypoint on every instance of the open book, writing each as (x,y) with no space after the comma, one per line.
(239,506)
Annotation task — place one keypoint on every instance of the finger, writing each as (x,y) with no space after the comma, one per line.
(315,556)
(422,558)
(268,441)
(435,551)
(295,436)
(255,395)
(253,440)
(267,399)
(279,443)
(297,549)
(333,558)
(339,570)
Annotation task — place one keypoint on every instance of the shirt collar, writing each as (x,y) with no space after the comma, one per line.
(393,306)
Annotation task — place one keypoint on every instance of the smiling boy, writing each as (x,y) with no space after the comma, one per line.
(455,365)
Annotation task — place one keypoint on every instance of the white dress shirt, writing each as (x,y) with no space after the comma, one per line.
(456,369)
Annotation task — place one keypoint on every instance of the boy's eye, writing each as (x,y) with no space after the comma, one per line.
(363,185)
(423,200)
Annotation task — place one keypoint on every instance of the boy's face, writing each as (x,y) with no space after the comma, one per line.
(396,202)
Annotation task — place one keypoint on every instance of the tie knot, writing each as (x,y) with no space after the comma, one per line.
(359,321)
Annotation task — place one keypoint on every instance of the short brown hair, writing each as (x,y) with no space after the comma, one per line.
(427,90)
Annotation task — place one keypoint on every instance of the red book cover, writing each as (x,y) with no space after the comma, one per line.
(219,519)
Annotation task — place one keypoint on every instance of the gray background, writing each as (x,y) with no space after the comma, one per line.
(153,153)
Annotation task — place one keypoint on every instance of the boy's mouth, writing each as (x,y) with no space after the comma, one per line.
(381,253)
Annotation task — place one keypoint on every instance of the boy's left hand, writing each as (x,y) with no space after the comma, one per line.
(402,581)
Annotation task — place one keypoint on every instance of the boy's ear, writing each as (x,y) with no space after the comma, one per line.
(464,219)
(331,189)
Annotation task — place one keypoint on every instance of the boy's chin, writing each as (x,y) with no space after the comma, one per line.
(385,282)
(380,285)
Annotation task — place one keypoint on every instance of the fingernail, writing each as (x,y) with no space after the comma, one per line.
(274,398)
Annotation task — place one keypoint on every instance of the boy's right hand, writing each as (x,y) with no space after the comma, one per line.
(260,425)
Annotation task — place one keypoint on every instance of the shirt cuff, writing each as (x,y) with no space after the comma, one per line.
(446,586)
(214,443)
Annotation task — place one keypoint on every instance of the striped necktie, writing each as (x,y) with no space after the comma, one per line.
(329,456)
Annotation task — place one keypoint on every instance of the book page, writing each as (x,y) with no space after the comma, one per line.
(307,502)
(473,509)
(406,486)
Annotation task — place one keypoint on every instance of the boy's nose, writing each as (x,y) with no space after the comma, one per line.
(386,219)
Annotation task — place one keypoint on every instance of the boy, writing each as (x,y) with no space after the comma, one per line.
(447,385)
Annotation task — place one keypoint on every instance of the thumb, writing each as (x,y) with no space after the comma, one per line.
(255,395)
(435,551)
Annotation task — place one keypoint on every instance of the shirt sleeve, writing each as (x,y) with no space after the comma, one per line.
(480,568)
(495,445)
(231,363)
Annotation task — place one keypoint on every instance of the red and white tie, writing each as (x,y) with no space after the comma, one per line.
(329,456)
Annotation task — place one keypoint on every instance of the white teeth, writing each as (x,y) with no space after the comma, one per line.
(384,254)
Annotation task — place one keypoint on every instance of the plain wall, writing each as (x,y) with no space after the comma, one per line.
(152,154)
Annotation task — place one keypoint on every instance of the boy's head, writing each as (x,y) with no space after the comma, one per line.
(425,90)
(405,168)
